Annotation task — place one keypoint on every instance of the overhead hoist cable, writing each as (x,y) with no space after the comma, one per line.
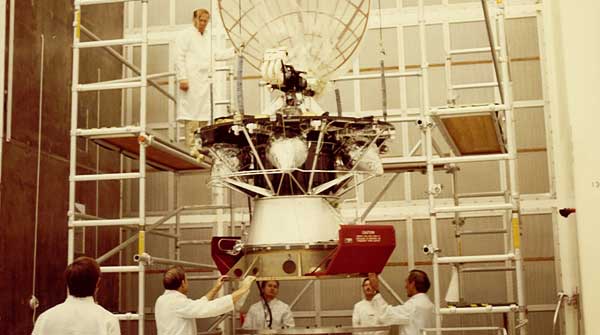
(382,66)
(240,66)
(338,101)
(211,74)
(34,302)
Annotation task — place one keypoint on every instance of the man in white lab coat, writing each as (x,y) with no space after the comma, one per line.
(176,314)
(194,52)
(275,315)
(366,312)
(79,314)
(418,309)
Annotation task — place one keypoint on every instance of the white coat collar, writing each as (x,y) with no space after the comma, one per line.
(419,295)
(206,30)
(174,292)
(274,301)
(80,299)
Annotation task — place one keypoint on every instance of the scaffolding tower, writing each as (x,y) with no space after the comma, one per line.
(138,143)
(474,133)
(494,140)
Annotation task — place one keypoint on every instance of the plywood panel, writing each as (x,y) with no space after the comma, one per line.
(154,154)
(473,134)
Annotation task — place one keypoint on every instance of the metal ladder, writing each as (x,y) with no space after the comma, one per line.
(141,82)
(507,164)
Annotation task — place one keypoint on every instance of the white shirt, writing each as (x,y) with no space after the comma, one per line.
(77,316)
(176,314)
(258,315)
(419,311)
(193,56)
(366,313)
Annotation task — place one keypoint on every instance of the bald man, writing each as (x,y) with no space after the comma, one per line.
(418,309)
(176,314)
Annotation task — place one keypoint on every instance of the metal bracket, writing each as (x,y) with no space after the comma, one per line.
(452,168)
(144,258)
(236,129)
(573,300)
(459,222)
(424,123)
(235,250)
(429,250)
(435,189)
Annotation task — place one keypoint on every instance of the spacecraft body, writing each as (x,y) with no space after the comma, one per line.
(295,162)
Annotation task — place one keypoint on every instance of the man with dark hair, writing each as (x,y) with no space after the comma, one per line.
(270,312)
(418,309)
(79,314)
(176,314)
(365,312)
(193,59)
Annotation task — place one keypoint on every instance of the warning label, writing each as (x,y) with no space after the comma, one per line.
(368,236)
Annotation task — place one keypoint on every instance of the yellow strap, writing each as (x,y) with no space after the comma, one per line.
(142,242)
(516,232)
(78,23)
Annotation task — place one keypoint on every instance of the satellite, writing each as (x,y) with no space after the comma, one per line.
(294,162)
(319,36)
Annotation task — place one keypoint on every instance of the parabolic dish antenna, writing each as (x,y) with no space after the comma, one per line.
(319,35)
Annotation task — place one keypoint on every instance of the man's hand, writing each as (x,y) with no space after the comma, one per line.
(210,295)
(184,85)
(220,282)
(374,281)
(247,283)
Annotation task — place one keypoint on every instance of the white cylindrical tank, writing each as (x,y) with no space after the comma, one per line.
(293,220)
